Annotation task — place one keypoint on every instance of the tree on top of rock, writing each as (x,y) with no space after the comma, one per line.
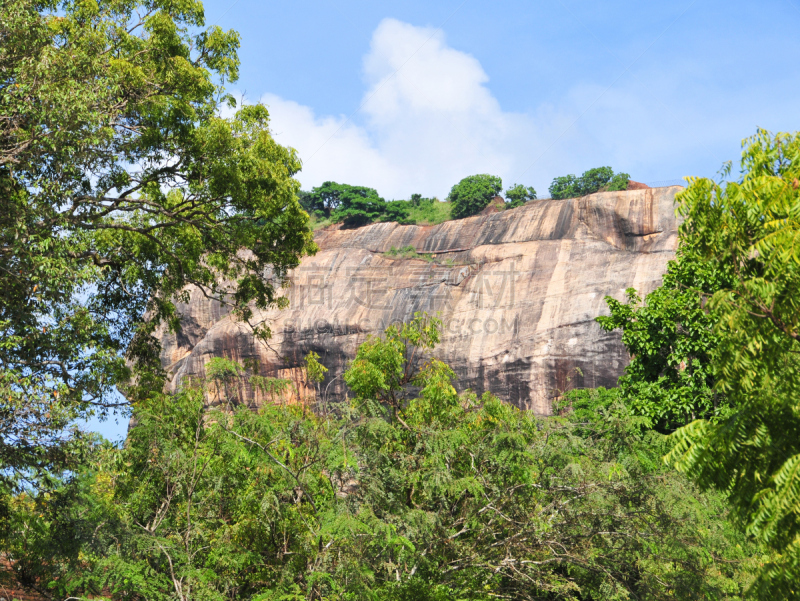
(517,195)
(351,205)
(599,179)
(471,195)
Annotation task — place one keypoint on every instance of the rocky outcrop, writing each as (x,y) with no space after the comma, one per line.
(517,290)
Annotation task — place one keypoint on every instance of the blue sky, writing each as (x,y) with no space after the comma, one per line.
(412,96)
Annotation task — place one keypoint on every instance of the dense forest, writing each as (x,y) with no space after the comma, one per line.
(121,184)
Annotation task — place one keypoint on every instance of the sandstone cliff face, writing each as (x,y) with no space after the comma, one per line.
(518,292)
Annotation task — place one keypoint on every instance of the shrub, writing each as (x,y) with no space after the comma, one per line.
(409,252)
(418,201)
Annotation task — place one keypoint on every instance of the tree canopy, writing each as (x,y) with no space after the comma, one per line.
(352,205)
(714,349)
(670,338)
(517,195)
(122,189)
(120,185)
(591,181)
(411,491)
(471,195)
(749,227)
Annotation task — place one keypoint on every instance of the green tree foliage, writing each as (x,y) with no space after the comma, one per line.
(359,206)
(599,179)
(471,195)
(352,205)
(119,186)
(670,338)
(325,199)
(413,492)
(387,371)
(517,195)
(750,227)
(315,371)
(563,186)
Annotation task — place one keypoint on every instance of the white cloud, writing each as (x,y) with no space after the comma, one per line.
(427,120)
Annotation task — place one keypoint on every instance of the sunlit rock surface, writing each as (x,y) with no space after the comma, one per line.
(517,290)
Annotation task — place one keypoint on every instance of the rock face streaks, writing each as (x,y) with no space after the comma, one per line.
(518,292)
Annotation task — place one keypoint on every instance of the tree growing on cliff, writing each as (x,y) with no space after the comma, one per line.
(591,181)
(471,195)
(325,199)
(119,186)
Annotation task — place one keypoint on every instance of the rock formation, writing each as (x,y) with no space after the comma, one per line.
(517,290)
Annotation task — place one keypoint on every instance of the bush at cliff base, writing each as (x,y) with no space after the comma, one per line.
(410,491)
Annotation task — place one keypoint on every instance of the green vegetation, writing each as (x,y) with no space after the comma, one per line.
(409,252)
(727,318)
(599,179)
(325,207)
(749,228)
(317,223)
(351,205)
(471,195)
(517,195)
(670,339)
(428,211)
(120,186)
(356,205)
(412,491)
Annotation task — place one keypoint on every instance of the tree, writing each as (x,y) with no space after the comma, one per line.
(352,205)
(398,212)
(563,187)
(517,195)
(324,199)
(120,186)
(389,370)
(197,505)
(670,338)
(618,182)
(750,228)
(454,497)
(471,195)
(599,179)
(359,206)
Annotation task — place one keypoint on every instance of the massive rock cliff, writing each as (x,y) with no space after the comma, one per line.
(518,292)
